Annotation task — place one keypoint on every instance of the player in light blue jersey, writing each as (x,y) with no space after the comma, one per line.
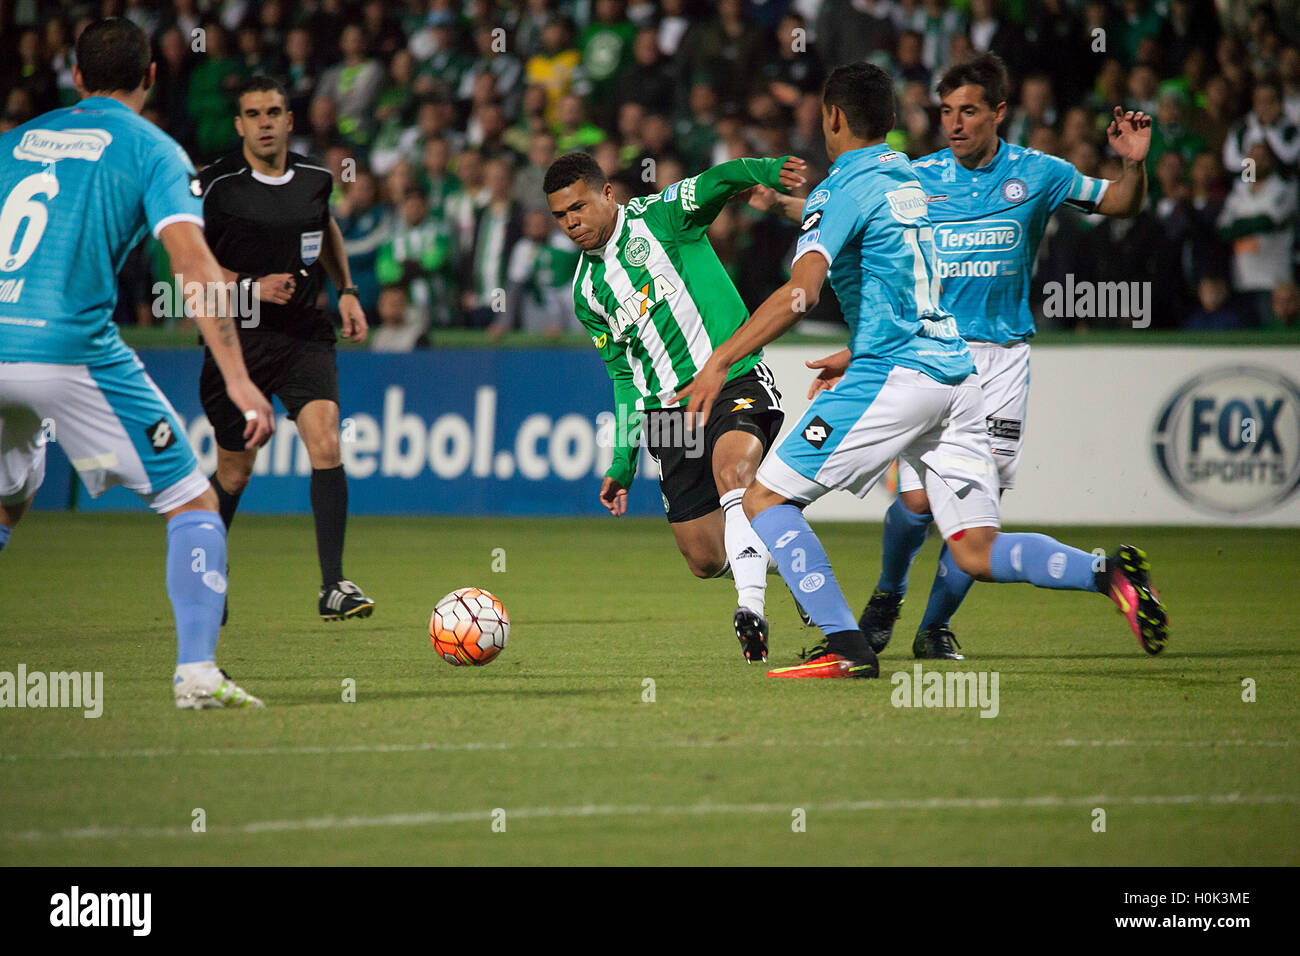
(908,391)
(989,202)
(79,188)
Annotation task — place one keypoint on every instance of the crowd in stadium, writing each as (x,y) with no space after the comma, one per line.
(439,118)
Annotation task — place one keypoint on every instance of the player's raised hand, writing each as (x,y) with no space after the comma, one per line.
(354,319)
(792,173)
(613,496)
(1129,134)
(257,411)
(703,392)
(832,369)
(276,288)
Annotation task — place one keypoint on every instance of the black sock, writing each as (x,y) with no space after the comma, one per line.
(226,502)
(329,505)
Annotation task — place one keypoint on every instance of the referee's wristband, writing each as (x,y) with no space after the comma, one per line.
(350,290)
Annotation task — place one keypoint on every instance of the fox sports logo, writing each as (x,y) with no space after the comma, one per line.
(1228,440)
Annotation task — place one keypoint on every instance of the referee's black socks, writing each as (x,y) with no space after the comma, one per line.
(226,502)
(329,505)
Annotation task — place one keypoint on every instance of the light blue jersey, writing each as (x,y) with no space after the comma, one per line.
(868,218)
(79,187)
(987,224)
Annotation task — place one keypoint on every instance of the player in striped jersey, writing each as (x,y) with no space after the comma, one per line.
(650,291)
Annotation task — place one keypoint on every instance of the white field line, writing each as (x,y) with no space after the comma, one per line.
(433,818)
(471,746)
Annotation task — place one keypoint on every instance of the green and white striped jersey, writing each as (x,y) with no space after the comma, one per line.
(656,300)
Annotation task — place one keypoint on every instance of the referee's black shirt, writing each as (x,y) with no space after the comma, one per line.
(262,225)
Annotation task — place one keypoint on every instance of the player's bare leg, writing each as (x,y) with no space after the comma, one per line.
(10,515)
(318,424)
(736,457)
(702,543)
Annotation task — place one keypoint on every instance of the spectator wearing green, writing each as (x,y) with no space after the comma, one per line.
(440,64)
(1170,134)
(573,131)
(438,184)
(606,47)
(420,257)
(540,274)
(354,86)
(211,98)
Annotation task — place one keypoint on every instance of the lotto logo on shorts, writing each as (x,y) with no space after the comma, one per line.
(817,432)
(160,435)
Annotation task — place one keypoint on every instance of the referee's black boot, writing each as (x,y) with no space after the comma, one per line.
(343,600)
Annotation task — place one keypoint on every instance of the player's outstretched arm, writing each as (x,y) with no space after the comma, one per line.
(782,309)
(703,196)
(1130,136)
(193,261)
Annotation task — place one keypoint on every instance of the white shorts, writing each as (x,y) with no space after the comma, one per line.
(1004,378)
(850,435)
(113,423)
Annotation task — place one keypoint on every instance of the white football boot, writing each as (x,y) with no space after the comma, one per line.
(204,686)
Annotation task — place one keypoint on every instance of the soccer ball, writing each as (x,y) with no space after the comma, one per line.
(469,626)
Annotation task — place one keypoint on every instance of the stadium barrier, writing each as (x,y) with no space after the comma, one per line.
(1114,435)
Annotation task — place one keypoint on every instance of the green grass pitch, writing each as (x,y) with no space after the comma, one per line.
(557,734)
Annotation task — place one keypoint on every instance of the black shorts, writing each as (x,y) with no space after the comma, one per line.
(295,370)
(748,403)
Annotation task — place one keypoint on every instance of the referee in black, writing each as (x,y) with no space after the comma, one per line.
(267,219)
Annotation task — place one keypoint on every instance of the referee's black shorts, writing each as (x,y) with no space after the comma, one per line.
(295,370)
(748,403)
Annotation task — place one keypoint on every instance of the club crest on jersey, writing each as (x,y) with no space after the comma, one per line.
(311,243)
(637,251)
(816,200)
(1015,190)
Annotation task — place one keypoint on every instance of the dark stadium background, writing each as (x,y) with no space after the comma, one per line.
(504,87)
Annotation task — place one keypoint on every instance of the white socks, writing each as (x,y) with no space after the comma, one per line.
(746,553)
